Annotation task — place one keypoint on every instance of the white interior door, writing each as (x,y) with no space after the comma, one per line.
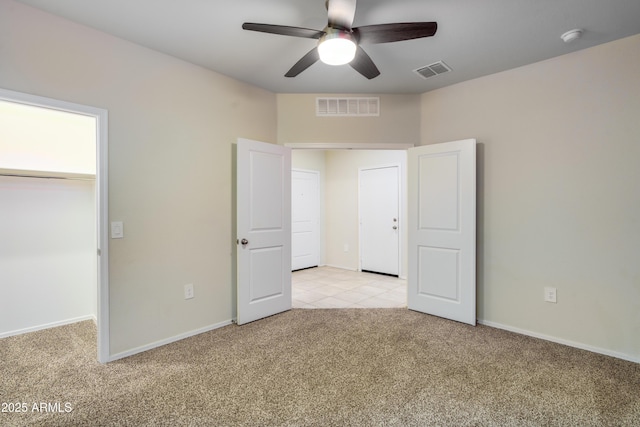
(379,200)
(263,192)
(305,200)
(442,230)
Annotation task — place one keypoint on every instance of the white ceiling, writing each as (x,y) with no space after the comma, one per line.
(475,37)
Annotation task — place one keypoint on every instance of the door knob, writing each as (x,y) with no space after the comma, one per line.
(244,242)
(395,227)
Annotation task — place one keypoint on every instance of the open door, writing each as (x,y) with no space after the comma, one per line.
(442,230)
(263,230)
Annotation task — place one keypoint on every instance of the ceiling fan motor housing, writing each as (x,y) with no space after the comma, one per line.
(337,47)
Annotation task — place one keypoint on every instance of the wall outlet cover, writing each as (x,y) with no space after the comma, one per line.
(117,230)
(188,291)
(550,294)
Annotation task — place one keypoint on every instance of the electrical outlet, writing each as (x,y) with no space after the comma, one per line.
(346,247)
(117,230)
(188,291)
(550,294)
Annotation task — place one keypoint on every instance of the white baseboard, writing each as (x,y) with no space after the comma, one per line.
(48,325)
(353,269)
(561,341)
(340,267)
(166,341)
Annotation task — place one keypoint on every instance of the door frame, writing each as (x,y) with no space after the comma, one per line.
(400,212)
(102,208)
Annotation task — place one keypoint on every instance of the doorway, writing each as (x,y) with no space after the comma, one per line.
(51,177)
(439,277)
(340,247)
(339,229)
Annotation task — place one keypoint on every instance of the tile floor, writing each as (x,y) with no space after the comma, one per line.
(330,287)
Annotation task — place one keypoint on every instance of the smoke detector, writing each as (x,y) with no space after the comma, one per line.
(571,35)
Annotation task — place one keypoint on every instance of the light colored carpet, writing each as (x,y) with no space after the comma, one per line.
(356,367)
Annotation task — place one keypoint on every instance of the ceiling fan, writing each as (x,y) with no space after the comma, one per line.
(339,42)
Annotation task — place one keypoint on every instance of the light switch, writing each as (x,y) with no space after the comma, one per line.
(117,230)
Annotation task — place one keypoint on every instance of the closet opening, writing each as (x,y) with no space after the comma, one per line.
(53,256)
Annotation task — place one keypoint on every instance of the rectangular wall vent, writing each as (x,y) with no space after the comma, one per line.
(347,107)
(433,69)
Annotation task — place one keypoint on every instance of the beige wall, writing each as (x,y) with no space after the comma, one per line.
(171,127)
(398,123)
(558,192)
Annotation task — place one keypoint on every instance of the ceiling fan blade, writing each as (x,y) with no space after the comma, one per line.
(363,64)
(341,13)
(386,33)
(283,30)
(305,62)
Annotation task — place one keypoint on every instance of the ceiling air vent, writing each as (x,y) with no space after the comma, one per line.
(433,69)
(347,107)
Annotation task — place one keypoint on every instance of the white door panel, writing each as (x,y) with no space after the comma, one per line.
(263,229)
(305,200)
(442,230)
(379,200)
(438,183)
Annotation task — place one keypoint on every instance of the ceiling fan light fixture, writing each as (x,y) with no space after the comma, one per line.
(336,47)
